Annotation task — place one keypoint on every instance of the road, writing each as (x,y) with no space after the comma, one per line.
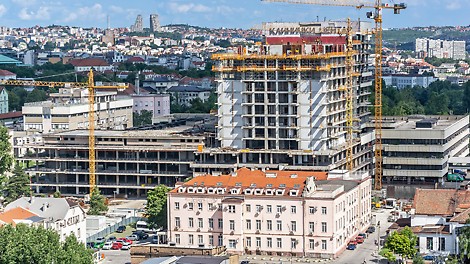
(368,250)
(116,256)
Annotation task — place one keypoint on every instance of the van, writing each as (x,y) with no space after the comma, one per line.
(143,226)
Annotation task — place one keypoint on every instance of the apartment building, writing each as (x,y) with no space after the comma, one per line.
(185,94)
(3,100)
(441,48)
(282,104)
(127,162)
(158,104)
(283,213)
(417,148)
(68,110)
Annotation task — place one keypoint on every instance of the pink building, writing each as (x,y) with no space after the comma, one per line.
(159,104)
(282,213)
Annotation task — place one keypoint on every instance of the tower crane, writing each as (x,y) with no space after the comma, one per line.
(376,15)
(91,87)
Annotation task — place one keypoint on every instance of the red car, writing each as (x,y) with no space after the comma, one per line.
(359,239)
(116,246)
(125,240)
(353,242)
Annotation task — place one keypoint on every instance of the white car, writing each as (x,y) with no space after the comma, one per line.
(107,245)
(126,246)
(133,237)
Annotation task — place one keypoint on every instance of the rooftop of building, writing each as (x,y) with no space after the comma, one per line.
(6,73)
(420,122)
(46,207)
(442,202)
(94,62)
(188,88)
(18,215)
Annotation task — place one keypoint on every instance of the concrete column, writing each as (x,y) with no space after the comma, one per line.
(77,190)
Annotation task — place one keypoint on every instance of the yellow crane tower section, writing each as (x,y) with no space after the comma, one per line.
(378,6)
(90,85)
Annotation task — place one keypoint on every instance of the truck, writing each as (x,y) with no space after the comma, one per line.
(455,177)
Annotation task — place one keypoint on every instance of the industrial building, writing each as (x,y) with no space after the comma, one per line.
(417,148)
(68,110)
(278,213)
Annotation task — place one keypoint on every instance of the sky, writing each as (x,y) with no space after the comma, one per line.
(217,13)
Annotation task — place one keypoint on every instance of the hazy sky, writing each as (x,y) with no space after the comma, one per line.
(215,13)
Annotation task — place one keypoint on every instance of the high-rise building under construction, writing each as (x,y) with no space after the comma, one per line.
(283,103)
(138,25)
(154,23)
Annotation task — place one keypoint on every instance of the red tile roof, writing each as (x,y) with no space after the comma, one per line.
(93,62)
(135,59)
(16,114)
(6,73)
(440,202)
(246,178)
(18,213)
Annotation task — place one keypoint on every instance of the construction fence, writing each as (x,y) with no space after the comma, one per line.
(111,229)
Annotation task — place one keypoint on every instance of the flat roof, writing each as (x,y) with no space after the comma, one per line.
(409,123)
(170,131)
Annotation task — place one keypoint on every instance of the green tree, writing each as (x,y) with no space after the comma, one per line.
(402,243)
(143,118)
(97,203)
(155,209)
(17,185)
(388,254)
(6,159)
(417,259)
(36,95)
(464,242)
(27,244)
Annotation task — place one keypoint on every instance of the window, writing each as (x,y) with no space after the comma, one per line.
(221,223)
(311,244)
(323,227)
(269,208)
(231,208)
(311,209)
(210,205)
(232,225)
(191,222)
(248,208)
(231,243)
(248,242)
(190,206)
(323,210)
(429,244)
(269,242)
(178,238)
(199,206)
(220,241)
(200,223)
(248,224)
(258,242)
(293,226)
(279,225)
(258,224)
(258,208)
(200,239)
(293,209)
(293,243)
(270,225)
(191,239)
(177,205)
(442,244)
(211,240)
(177,222)
(211,223)
(323,244)
(279,242)
(279,209)
(311,227)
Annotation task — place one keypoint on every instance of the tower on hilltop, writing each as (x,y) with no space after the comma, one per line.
(138,25)
(154,23)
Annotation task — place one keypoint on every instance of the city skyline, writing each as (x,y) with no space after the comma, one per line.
(215,14)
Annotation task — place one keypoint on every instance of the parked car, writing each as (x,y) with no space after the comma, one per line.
(116,246)
(154,239)
(111,239)
(99,243)
(133,237)
(90,244)
(121,229)
(107,245)
(141,234)
(126,240)
(126,246)
(371,229)
(353,242)
(359,239)
(428,257)
(351,246)
(363,235)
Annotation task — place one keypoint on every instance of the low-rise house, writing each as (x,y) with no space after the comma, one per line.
(19,215)
(7,75)
(283,213)
(64,216)
(97,64)
(185,94)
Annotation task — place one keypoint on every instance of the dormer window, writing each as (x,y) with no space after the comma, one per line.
(190,190)
(210,190)
(235,191)
(200,190)
(269,192)
(294,192)
(248,191)
(181,190)
(259,191)
(220,191)
(279,192)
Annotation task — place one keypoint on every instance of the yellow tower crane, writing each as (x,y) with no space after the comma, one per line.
(378,6)
(90,85)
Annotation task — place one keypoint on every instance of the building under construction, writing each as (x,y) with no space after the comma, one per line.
(283,104)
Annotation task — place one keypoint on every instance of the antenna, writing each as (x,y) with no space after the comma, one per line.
(107,19)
